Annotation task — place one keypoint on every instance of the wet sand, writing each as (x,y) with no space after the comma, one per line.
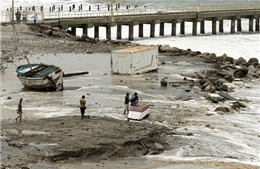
(106,136)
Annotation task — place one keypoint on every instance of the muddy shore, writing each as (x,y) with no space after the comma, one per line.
(98,142)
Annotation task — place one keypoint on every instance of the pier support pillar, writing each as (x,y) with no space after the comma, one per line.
(202,27)
(257,24)
(194,28)
(182,27)
(119,32)
(108,32)
(239,26)
(233,25)
(131,32)
(73,31)
(214,27)
(85,29)
(173,28)
(141,30)
(221,26)
(96,31)
(152,30)
(161,29)
(251,24)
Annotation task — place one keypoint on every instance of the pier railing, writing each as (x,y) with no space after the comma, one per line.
(44,14)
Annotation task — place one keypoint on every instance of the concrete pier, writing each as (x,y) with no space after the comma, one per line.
(196,16)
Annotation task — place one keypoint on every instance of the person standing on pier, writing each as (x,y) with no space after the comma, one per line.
(34,18)
(19,110)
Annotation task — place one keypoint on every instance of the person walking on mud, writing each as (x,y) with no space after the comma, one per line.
(19,110)
(127,100)
(82,102)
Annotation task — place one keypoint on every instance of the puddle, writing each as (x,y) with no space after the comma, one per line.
(27,132)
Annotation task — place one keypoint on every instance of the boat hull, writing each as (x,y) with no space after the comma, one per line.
(38,83)
(40,76)
(138,112)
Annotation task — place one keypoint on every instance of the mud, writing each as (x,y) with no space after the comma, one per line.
(103,141)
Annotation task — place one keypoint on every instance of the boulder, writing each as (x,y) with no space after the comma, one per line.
(212,55)
(225,59)
(56,33)
(253,61)
(257,71)
(240,72)
(45,26)
(55,28)
(163,49)
(223,109)
(240,61)
(48,31)
(168,49)
(210,89)
(192,53)
(229,78)
(251,68)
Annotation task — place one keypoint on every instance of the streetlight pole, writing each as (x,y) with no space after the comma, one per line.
(13,11)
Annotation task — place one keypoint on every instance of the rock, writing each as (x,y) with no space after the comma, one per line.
(214,99)
(224,59)
(229,78)
(240,72)
(240,61)
(257,71)
(212,55)
(9,98)
(210,89)
(56,33)
(164,82)
(223,109)
(55,28)
(251,68)
(48,31)
(192,53)
(253,61)
(45,26)
(168,49)
(24,167)
(159,146)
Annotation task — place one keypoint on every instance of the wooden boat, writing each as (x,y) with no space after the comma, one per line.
(40,76)
(138,112)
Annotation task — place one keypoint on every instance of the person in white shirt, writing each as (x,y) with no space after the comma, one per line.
(35,18)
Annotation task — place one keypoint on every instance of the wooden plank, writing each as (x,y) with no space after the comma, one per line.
(75,74)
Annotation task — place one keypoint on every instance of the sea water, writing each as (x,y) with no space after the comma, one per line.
(233,138)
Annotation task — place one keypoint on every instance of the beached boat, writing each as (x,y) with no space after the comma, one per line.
(40,76)
(138,112)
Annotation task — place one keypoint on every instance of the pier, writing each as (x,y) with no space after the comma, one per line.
(80,19)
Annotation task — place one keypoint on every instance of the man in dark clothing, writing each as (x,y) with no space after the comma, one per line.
(19,110)
(18,16)
(127,99)
(134,99)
